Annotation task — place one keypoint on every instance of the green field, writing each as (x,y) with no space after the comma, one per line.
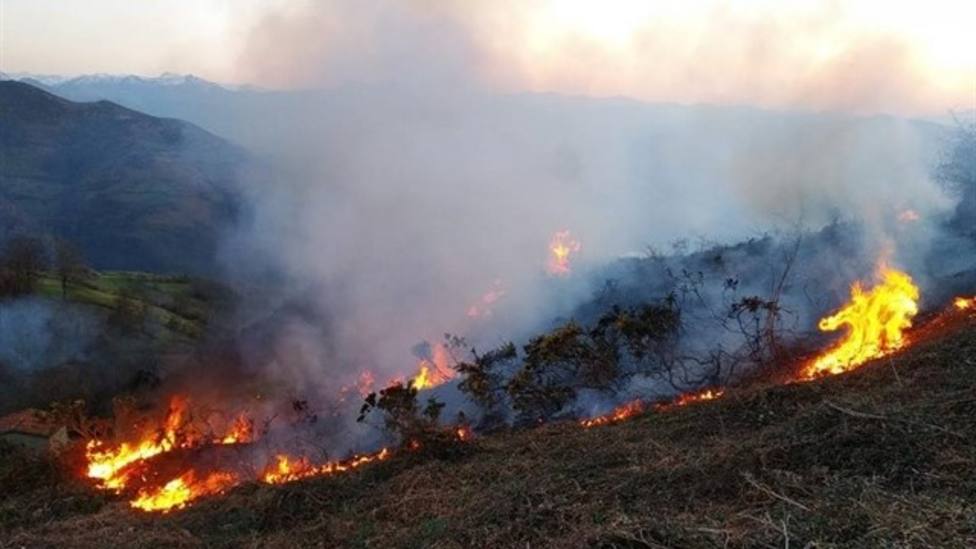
(174,305)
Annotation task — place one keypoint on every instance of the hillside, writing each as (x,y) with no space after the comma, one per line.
(880,456)
(133,191)
(103,336)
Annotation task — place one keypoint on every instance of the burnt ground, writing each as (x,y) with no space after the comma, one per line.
(884,456)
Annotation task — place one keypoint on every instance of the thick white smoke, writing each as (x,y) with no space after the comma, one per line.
(406,186)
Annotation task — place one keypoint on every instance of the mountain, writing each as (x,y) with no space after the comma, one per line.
(214,107)
(131,190)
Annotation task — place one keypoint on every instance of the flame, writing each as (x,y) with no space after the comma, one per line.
(178,492)
(288,469)
(433,372)
(562,247)
(709,394)
(636,407)
(965,303)
(618,414)
(241,431)
(464,433)
(875,321)
(107,465)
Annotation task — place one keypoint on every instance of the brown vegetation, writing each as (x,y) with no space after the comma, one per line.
(880,456)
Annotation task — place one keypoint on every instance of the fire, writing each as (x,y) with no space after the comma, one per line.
(289,469)
(107,465)
(424,378)
(242,431)
(965,303)
(875,321)
(618,414)
(180,491)
(464,433)
(709,394)
(562,247)
(435,371)
(636,407)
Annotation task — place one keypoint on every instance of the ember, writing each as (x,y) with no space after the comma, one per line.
(464,433)
(876,320)
(964,303)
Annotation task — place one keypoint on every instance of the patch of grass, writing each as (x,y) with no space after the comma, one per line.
(171,302)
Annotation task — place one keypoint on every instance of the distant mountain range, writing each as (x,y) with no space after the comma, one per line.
(133,191)
(214,107)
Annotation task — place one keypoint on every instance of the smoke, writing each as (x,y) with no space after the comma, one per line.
(35,333)
(407,185)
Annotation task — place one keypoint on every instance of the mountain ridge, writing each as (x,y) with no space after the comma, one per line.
(133,191)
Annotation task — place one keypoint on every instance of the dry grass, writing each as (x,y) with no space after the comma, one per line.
(881,457)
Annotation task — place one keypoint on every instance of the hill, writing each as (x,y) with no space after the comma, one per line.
(881,456)
(110,331)
(133,191)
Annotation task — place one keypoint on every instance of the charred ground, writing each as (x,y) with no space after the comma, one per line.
(881,455)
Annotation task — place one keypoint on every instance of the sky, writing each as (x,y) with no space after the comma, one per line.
(857,55)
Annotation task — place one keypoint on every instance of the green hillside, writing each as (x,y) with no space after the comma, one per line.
(169,302)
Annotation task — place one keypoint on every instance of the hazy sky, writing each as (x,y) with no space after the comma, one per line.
(873,55)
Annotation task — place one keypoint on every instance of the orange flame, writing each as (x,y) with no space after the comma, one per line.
(289,469)
(241,431)
(875,319)
(620,413)
(107,465)
(562,247)
(464,433)
(180,491)
(709,394)
(965,303)
(434,372)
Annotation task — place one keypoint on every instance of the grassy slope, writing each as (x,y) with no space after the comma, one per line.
(168,300)
(886,455)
